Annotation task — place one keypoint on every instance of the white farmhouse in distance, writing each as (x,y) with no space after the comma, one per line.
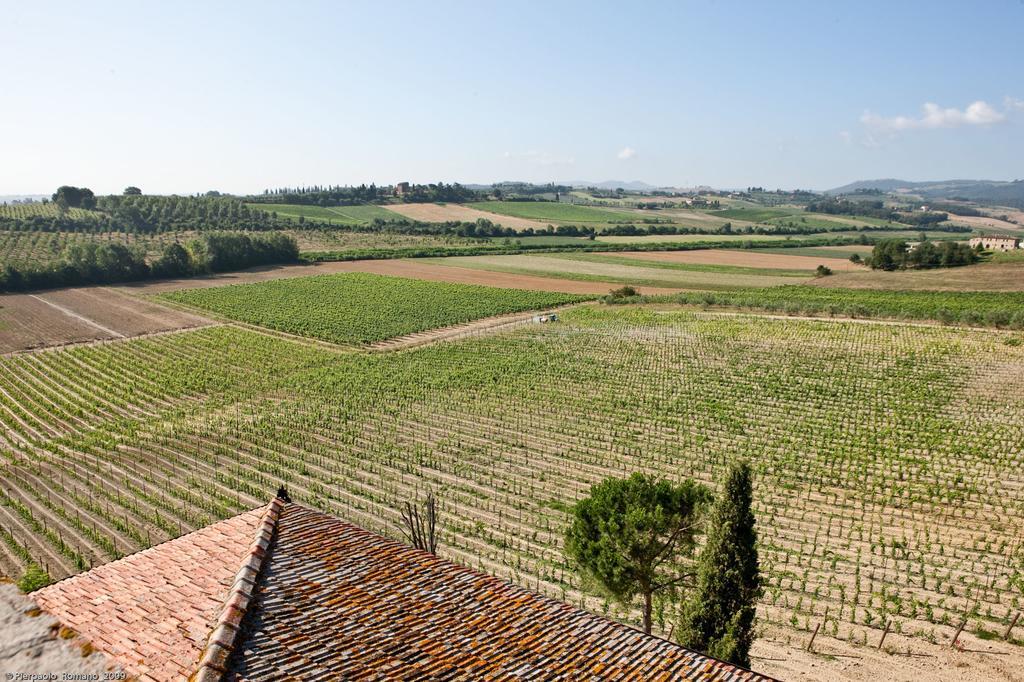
(996,242)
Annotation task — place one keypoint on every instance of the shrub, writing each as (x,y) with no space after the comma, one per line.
(33,579)
(822,271)
(972,317)
(624,292)
(998,318)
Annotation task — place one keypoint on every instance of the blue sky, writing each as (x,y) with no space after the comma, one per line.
(185,97)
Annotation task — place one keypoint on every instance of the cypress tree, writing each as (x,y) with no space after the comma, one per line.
(719,618)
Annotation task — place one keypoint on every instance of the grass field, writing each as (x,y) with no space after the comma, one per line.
(449,212)
(698,260)
(745,259)
(842,252)
(360,308)
(994,276)
(341,240)
(339,215)
(695,238)
(976,308)
(1008,256)
(889,480)
(618,271)
(754,215)
(548,211)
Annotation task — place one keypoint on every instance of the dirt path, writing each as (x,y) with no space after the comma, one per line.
(741,258)
(476,327)
(904,658)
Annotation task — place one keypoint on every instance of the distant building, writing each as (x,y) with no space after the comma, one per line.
(996,242)
(401,189)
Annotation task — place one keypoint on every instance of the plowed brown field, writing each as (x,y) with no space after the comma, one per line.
(65,316)
(440,213)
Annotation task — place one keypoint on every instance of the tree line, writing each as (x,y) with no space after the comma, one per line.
(897,254)
(484,229)
(321,195)
(95,263)
(147,214)
(363,194)
(875,209)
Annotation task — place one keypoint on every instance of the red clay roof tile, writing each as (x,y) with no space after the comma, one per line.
(166,597)
(288,593)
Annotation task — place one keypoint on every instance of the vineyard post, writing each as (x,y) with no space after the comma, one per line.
(888,624)
(958,631)
(1009,628)
(810,644)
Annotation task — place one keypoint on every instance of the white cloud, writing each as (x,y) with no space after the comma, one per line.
(540,158)
(626,153)
(933,116)
(1014,104)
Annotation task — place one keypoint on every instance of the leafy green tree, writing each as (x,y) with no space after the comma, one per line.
(132,191)
(174,262)
(635,536)
(719,618)
(889,254)
(75,197)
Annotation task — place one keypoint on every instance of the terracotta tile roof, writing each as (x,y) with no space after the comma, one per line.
(153,611)
(337,602)
(225,635)
(288,593)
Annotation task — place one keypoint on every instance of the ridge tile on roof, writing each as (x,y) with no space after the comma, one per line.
(224,637)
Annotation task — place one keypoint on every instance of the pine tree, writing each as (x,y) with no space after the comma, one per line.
(634,536)
(719,618)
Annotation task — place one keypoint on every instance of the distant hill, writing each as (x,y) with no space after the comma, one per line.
(10,198)
(885,185)
(992,192)
(635,185)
